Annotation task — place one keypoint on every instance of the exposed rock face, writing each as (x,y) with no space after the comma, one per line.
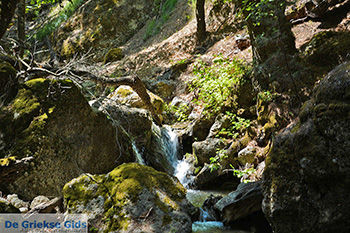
(241,209)
(326,49)
(242,202)
(208,148)
(53,123)
(207,178)
(151,140)
(307,175)
(125,95)
(102,25)
(131,198)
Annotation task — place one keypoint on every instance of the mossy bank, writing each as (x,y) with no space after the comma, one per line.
(131,198)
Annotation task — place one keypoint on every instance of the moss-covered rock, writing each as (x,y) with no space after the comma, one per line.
(8,82)
(114,54)
(127,96)
(327,49)
(7,207)
(131,198)
(307,171)
(51,121)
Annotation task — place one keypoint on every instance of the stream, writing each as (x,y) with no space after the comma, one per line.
(170,145)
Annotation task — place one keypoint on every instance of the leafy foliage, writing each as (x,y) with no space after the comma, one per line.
(237,126)
(180,112)
(243,173)
(34,6)
(66,12)
(216,85)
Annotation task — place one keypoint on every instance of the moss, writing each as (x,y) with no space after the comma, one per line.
(26,116)
(124,92)
(114,54)
(7,161)
(69,48)
(6,69)
(122,187)
(25,103)
(77,191)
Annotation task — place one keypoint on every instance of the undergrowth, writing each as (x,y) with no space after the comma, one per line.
(165,8)
(215,85)
(66,12)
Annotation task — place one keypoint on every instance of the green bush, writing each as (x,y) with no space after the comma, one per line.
(216,85)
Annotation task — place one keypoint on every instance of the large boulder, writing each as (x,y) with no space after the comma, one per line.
(50,124)
(8,82)
(131,198)
(245,200)
(206,149)
(307,174)
(241,208)
(157,146)
(326,49)
(125,95)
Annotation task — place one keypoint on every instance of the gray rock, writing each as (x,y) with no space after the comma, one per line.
(239,204)
(307,178)
(16,202)
(7,207)
(247,155)
(221,121)
(38,200)
(52,206)
(206,149)
(131,198)
(218,179)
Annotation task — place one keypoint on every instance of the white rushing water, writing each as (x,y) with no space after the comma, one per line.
(167,143)
(181,167)
(137,153)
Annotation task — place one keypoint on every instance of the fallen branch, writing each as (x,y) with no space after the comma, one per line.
(133,81)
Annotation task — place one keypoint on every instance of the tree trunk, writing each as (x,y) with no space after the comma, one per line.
(200,17)
(7,10)
(21,13)
(273,43)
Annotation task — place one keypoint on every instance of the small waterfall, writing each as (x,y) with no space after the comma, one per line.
(137,154)
(170,142)
(182,169)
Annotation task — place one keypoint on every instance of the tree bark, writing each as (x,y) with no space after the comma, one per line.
(21,14)
(200,17)
(7,10)
(273,43)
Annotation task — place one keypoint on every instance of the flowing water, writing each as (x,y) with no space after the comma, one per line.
(182,172)
(169,145)
(137,153)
